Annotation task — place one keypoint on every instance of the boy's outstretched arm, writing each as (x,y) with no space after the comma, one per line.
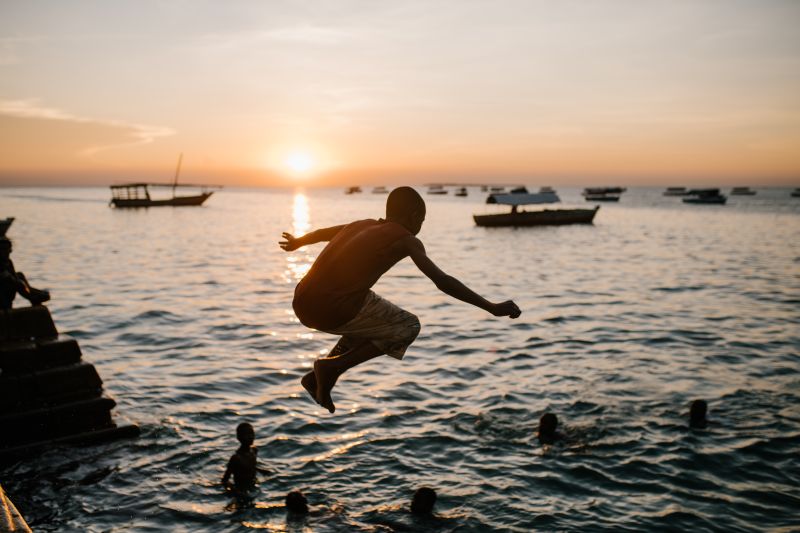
(450,285)
(293,243)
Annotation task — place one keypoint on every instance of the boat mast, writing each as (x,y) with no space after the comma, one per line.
(177,172)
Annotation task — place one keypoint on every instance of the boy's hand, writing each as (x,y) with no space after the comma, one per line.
(290,243)
(507,308)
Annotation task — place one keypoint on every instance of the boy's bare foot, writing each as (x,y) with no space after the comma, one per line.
(326,376)
(309,382)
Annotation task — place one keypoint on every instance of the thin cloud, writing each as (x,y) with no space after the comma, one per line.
(8,49)
(31,108)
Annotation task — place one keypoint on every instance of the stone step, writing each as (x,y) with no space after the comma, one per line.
(26,323)
(29,449)
(57,421)
(49,387)
(20,357)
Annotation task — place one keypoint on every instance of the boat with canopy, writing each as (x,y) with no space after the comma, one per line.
(138,194)
(544,217)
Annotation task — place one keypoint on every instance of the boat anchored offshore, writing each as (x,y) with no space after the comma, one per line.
(437,189)
(675,191)
(546,217)
(353,190)
(138,194)
(705,196)
(461,191)
(603,194)
(742,191)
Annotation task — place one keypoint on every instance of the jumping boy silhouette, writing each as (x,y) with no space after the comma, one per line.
(335,296)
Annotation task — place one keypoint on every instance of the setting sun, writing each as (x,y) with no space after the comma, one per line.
(300,163)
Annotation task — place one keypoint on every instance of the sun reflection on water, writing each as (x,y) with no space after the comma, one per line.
(299,262)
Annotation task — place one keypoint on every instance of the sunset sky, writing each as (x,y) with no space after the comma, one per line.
(371,92)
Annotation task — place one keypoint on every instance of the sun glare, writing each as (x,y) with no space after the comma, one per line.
(300,163)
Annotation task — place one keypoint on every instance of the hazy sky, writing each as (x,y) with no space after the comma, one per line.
(346,92)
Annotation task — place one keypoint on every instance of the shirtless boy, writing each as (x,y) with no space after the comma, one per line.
(335,295)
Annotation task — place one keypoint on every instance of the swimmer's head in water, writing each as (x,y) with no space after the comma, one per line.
(406,207)
(423,501)
(547,427)
(245,434)
(296,502)
(697,414)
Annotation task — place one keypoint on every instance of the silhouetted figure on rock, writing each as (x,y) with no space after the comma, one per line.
(243,464)
(548,425)
(335,296)
(423,501)
(697,414)
(13,282)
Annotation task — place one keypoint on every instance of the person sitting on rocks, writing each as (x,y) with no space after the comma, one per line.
(13,282)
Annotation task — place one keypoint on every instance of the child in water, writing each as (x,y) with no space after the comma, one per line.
(335,295)
(243,464)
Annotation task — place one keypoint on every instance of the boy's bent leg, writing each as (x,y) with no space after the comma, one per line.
(327,370)
(309,381)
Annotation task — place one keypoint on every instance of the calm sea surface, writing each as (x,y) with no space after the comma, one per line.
(187,315)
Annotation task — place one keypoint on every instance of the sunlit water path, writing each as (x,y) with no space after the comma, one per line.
(187,315)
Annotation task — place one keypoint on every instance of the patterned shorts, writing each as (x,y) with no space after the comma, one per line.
(382,323)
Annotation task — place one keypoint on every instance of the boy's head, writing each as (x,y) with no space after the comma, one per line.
(423,500)
(406,207)
(697,413)
(245,434)
(547,426)
(296,502)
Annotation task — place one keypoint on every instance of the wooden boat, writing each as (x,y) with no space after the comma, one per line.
(742,191)
(705,196)
(675,191)
(5,223)
(545,217)
(603,194)
(461,191)
(353,190)
(138,194)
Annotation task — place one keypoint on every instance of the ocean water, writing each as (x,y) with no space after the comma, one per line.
(187,315)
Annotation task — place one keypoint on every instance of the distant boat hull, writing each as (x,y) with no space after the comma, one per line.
(175,202)
(602,198)
(718,200)
(547,217)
